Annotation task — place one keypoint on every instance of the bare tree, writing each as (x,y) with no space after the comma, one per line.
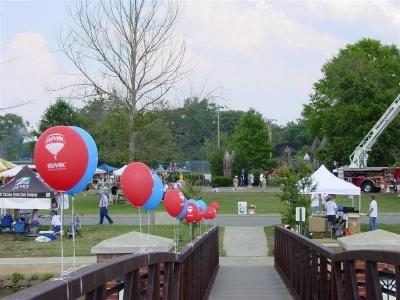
(127,51)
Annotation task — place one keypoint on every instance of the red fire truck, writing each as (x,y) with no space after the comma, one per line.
(372,179)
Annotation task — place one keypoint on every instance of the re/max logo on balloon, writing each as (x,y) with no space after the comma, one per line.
(57,166)
(54,143)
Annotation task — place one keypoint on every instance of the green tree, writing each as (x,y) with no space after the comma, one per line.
(108,124)
(13,135)
(357,87)
(251,143)
(156,144)
(295,180)
(216,162)
(195,126)
(293,134)
(58,113)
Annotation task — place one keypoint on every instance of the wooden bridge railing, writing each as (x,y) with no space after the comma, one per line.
(159,275)
(312,271)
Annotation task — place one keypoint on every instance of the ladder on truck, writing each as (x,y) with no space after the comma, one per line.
(359,158)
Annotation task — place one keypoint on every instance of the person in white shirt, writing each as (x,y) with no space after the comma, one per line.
(331,209)
(314,203)
(103,203)
(373,213)
(55,222)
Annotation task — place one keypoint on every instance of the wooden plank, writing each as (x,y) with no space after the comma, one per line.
(323,278)
(132,286)
(397,278)
(97,294)
(153,282)
(351,285)
(372,283)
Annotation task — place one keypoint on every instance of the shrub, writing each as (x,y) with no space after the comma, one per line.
(222,181)
(16,277)
(192,191)
(194,178)
(34,277)
(47,276)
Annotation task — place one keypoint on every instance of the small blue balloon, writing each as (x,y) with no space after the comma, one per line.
(202,205)
(184,210)
(156,195)
(192,201)
(92,161)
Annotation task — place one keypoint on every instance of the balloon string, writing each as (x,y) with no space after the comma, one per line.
(140,229)
(175,236)
(73,231)
(148,227)
(61,234)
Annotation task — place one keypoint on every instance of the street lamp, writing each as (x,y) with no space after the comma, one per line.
(218,137)
(269,122)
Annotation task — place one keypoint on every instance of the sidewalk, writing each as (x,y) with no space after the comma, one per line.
(247,272)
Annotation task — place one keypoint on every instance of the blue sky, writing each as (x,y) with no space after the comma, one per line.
(261,54)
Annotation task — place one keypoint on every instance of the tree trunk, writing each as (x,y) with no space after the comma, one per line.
(132,137)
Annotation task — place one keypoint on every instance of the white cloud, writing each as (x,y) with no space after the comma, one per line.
(260,56)
(28,72)
(250,28)
(378,14)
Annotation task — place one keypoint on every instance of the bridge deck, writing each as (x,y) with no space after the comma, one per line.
(247,272)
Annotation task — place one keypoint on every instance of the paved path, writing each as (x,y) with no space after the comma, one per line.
(222,220)
(247,272)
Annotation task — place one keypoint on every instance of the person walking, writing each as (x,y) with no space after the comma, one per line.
(250,179)
(235,183)
(260,184)
(103,204)
(114,193)
(373,213)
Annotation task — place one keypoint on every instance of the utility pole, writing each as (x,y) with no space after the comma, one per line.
(269,122)
(218,136)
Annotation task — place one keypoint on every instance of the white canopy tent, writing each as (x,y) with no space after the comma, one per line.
(14,171)
(100,171)
(327,183)
(119,171)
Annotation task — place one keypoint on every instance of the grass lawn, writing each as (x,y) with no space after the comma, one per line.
(91,235)
(266,203)
(269,232)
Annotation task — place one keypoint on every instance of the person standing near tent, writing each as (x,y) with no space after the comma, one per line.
(314,203)
(373,213)
(103,204)
(55,222)
(331,209)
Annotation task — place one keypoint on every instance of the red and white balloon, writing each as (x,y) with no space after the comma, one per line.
(191,215)
(174,202)
(137,183)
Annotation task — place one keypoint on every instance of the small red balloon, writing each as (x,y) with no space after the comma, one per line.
(215,205)
(191,213)
(61,157)
(174,202)
(200,215)
(137,183)
(210,213)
